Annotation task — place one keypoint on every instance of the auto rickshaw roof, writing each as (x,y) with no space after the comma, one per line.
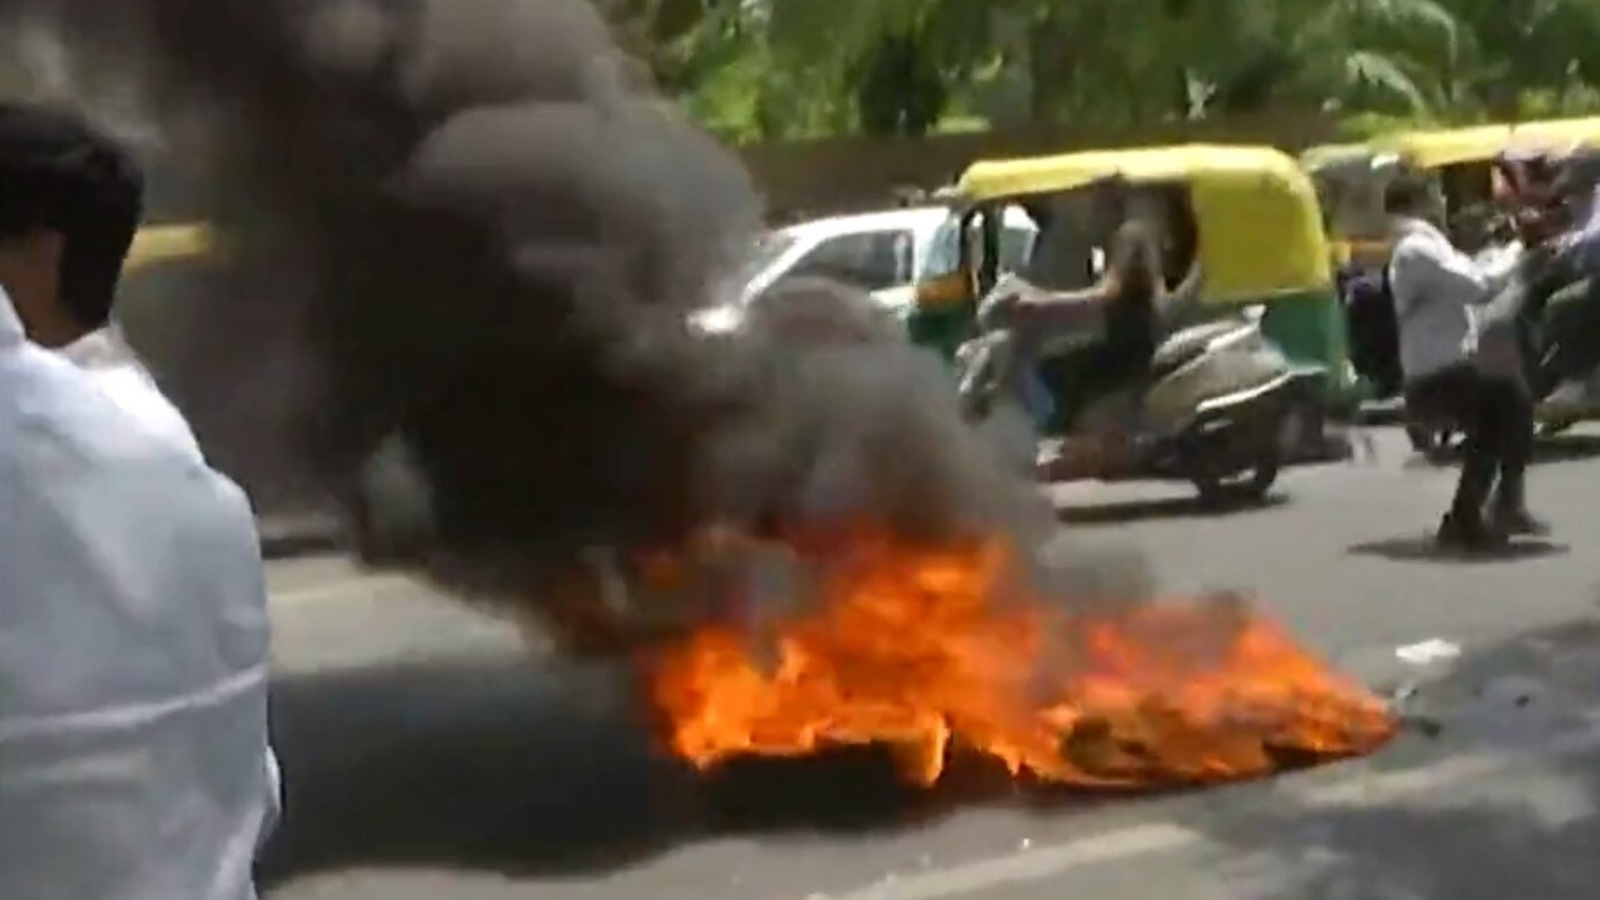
(1244,198)
(1559,134)
(156,244)
(992,179)
(1447,147)
(1480,143)
(1335,155)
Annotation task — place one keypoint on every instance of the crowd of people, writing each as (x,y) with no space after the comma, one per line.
(1450,315)
(135,760)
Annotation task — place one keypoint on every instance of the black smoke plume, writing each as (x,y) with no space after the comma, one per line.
(479,235)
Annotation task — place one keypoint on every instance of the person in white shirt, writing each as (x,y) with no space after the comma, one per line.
(1462,359)
(134,753)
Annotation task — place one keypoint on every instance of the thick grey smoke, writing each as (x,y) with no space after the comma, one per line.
(478,236)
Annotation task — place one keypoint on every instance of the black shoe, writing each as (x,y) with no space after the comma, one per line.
(1518,522)
(1467,532)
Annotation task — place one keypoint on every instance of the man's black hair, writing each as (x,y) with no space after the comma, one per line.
(1407,193)
(60,173)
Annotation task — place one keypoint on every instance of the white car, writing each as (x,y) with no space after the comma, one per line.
(883,253)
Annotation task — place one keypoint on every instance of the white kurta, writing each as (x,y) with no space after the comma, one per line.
(133,650)
(115,367)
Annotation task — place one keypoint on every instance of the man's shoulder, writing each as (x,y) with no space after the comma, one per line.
(1416,246)
(63,428)
(47,402)
(1413,237)
(99,497)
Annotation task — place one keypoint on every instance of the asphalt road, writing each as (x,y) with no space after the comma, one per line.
(427,756)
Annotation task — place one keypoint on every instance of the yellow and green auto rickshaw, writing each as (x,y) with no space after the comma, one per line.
(164,266)
(1350,177)
(157,245)
(1254,227)
(1465,163)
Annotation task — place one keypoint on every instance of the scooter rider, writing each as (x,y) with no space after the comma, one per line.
(1460,361)
(1127,294)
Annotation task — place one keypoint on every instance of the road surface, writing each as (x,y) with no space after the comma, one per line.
(426,757)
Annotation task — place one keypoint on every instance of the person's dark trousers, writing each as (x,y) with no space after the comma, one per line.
(1079,377)
(1497,416)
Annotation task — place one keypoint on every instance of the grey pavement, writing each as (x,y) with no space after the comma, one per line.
(428,754)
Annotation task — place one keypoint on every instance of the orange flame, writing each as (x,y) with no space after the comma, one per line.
(932,649)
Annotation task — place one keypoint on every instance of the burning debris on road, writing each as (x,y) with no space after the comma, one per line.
(938,650)
(495,236)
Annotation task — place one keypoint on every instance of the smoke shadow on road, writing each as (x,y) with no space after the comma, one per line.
(460,765)
(505,767)
(511,768)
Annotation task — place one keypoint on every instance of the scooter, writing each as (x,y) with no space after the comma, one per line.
(1212,411)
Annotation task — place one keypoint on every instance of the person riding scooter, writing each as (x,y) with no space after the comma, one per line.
(1125,300)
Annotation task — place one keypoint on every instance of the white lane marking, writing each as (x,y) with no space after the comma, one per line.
(1027,866)
(1041,863)
(357,587)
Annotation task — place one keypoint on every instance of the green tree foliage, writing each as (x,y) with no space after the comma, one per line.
(769,69)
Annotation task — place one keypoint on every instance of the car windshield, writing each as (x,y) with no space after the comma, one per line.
(944,253)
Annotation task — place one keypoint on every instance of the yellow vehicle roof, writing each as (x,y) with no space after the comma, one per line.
(988,180)
(1559,134)
(1314,158)
(1433,149)
(160,243)
(1448,147)
(1246,199)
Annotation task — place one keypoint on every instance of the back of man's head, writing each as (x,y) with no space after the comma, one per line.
(58,173)
(1409,194)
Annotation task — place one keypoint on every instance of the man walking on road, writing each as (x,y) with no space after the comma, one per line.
(1461,358)
(134,762)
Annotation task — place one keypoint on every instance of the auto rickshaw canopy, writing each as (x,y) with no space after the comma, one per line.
(1435,149)
(156,244)
(1336,156)
(1438,148)
(1256,210)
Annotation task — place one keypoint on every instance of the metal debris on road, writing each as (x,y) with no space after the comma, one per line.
(1429,651)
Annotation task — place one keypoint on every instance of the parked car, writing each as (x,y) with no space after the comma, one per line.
(884,253)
